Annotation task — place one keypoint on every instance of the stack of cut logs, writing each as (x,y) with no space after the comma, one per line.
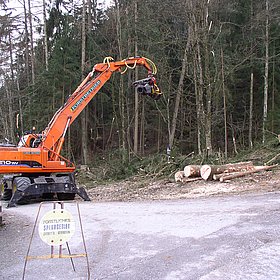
(220,173)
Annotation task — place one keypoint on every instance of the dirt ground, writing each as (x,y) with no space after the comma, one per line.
(137,189)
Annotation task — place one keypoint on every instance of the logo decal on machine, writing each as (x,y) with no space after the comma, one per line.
(20,163)
(77,104)
(8,162)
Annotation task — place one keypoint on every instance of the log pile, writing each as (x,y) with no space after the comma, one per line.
(220,173)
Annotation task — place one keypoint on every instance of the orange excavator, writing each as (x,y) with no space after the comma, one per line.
(35,167)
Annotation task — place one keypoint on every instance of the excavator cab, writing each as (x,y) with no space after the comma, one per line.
(148,87)
(30,140)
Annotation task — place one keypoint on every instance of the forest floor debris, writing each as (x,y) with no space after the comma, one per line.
(139,188)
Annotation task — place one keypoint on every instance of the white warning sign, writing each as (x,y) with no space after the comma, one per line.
(56,227)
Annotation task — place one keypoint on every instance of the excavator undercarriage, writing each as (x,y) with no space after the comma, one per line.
(22,189)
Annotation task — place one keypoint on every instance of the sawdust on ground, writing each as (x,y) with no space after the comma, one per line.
(137,189)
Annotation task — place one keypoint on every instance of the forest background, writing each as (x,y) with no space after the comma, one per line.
(218,68)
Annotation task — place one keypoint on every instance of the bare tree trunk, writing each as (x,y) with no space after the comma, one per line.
(26,56)
(20,103)
(251,110)
(265,95)
(225,104)
(200,98)
(10,119)
(198,107)
(200,86)
(4,122)
(89,15)
(31,44)
(130,52)
(121,86)
(168,106)
(142,129)
(45,36)
(26,43)
(122,115)
(233,135)
(83,38)
(208,119)
(136,100)
(273,91)
(84,132)
(10,93)
(202,80)
(251,84)
(159,138)
(178,95)
(11,56)
(103,124)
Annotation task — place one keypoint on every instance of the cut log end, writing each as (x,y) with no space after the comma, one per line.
(192,171)
(179,176)
(206,172)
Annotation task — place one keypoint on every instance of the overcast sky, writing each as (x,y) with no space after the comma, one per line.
(36,5)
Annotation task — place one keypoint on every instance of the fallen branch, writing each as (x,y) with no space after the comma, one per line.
(188,180)
(273,159)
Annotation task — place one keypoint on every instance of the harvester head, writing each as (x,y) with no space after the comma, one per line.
(148,87)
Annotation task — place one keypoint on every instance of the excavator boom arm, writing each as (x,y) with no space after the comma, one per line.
(53,135)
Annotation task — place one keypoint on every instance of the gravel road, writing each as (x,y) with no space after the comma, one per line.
(226,237)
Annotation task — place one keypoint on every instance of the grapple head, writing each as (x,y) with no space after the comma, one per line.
(148,87)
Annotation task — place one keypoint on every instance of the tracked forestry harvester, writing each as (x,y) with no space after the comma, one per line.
(35,167)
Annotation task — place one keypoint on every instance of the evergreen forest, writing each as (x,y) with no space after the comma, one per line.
(218,65)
